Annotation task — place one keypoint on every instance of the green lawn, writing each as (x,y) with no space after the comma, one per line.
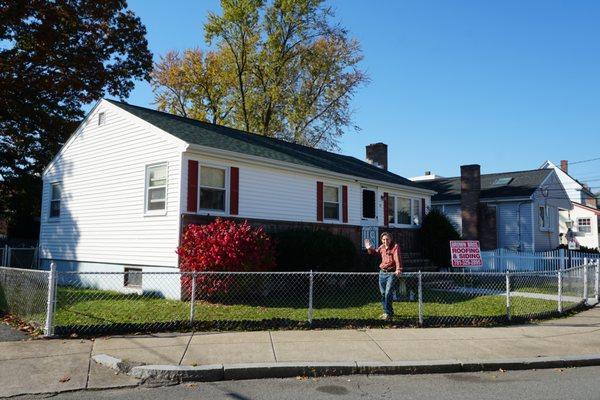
(84,307)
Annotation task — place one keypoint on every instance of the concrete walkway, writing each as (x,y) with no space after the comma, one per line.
(43,366)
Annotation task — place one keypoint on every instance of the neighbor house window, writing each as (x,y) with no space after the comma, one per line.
(55,196)
(331,202)
(212,188)
(101,118)
(544,217)
(156,188)
(132,278)
(404,211)
(584,225)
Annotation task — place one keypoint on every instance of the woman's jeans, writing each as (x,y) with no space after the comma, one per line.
(387,284)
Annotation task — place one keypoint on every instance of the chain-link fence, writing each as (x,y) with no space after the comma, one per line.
(24,294)
(132,301)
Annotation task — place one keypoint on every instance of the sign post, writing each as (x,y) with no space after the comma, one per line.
(465,253)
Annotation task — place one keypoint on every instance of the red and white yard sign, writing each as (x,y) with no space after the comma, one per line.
(465,253)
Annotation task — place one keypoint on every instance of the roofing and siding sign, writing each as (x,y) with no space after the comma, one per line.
(465,253)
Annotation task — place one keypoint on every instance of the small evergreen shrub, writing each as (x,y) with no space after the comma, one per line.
(436,233)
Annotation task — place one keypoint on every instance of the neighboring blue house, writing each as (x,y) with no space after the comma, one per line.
(515,210)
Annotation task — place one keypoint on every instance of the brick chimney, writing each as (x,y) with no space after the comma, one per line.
(470,188)
(377,155)
(564,165)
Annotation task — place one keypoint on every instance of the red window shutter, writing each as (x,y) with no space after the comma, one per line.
(319,201)
(234,187)
(345,204)
(386,209)
(192,193)
(422,210)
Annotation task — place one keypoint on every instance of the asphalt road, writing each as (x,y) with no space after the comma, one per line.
(575,383)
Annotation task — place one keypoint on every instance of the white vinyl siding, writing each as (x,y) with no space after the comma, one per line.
(102,174)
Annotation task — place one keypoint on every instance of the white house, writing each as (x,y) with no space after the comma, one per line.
(582,219)
(120,192)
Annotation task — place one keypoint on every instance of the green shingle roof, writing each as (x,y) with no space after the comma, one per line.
(221,137)
(522,184)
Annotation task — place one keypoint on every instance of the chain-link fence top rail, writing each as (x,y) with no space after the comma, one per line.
(132,301)
(24,294)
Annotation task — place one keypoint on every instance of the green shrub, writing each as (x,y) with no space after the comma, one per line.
(303,250)
(436,233)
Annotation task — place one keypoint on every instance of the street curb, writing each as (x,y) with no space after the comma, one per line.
(220,372)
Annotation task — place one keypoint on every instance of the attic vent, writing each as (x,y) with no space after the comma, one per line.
(101,118)
(502,181)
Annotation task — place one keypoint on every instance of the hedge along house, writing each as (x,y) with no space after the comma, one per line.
(513,210)
(119,194)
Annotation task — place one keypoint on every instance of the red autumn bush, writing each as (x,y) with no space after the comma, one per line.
(222,246)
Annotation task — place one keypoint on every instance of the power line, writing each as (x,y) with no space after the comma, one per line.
(584,161)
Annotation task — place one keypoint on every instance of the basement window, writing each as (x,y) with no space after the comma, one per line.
(132,278)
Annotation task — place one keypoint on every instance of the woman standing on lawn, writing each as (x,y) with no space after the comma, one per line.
(389,271)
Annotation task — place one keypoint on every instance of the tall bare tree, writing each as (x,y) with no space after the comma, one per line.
(281,69)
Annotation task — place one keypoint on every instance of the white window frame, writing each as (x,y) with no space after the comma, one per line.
(147,188)
(393,204)
(51,200)
(339,203)
(211,211)
(588,226)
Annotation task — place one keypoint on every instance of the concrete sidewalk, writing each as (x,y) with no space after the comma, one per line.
(43,366)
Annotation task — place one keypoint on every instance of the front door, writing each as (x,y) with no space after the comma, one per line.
(369,219)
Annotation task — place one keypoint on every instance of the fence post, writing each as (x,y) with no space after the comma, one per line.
(561,253)
(560,308)
(508,316)
(51,302)
(585,280)
(420,296)
(310,296)
(8,256)
(501,260)
(597,280)
(193,299)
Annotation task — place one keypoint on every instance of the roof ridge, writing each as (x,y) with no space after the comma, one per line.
(494,173)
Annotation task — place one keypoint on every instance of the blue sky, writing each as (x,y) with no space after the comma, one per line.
(506,84)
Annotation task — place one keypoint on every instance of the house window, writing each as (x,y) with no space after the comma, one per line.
(331,202)
(368,204)
(544,217)
(55,200)
(391,210)
(212,188)
(101,118)
(156,188)
(404,211)
(584,225)
(416,212)
(132,278)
